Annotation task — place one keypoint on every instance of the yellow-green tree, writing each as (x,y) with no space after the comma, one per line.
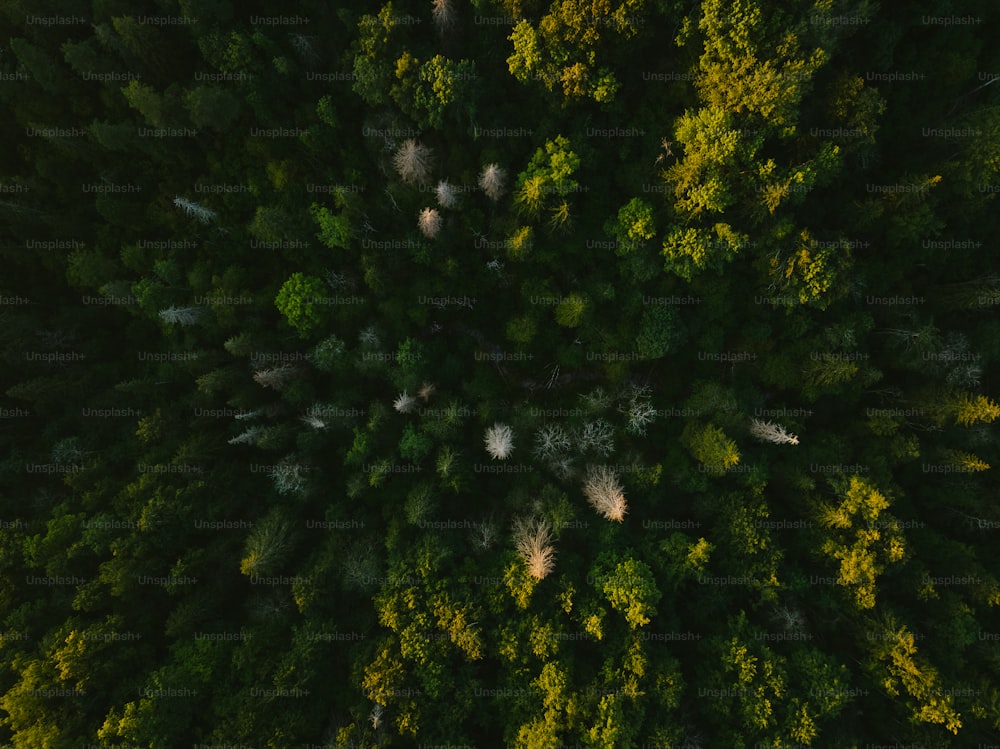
(863,538)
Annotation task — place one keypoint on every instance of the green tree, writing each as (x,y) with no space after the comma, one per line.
(299,300)
(711,447)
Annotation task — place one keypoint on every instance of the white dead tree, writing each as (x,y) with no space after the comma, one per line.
(247,437)
(181,315)
(443,13)
(289,478)
(484,534)
(198,212)
(638,406)
(369,337)
(413,161)
(499,441)
(605,493)
(551,441)
(405,403)
(531,538)
(315,417)
(767,431)
(429,222)
(445,194)
(597,435)
(276,378)
(493,180)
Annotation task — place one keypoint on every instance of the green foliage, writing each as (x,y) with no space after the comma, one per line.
(633,226)
(660,332)
(710,446)
(298,299)
(334,230)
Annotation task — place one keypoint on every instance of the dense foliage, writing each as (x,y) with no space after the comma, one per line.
(499,373)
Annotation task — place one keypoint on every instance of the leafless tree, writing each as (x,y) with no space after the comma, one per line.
(493,181)
(413,161)
(605,492)
(499,441)
(531,538)
(429,221)
(767,431)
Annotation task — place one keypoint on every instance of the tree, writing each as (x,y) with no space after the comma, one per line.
(267,546)
(532,538)
(492,181)
(691,250)
(299,301)
(443,13)
(334,229)
(551,441)
(563,49)
(429,221)
(202,214)
(547,175)
(499,441)
(413,161)
(710,446)
(869,539)
(752,63)
(405,403)
(767,431)
(629,587)
(212,107)
(181,315)
(605,493)
(634,225)
(569,312)
(660,331)
(445,194)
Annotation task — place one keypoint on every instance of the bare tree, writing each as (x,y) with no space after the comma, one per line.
(551,441)
(288,477)
(181,315)
(426,391)
(484,534)
(499,441)
(638,406)
(405,403)
(443,13)
(605,493)
(429,221)
(531,538)
(767,431)
(445,194)
(493,181)
(277,378)
(413,161)
(199,212)
(247,437)
(597,435)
